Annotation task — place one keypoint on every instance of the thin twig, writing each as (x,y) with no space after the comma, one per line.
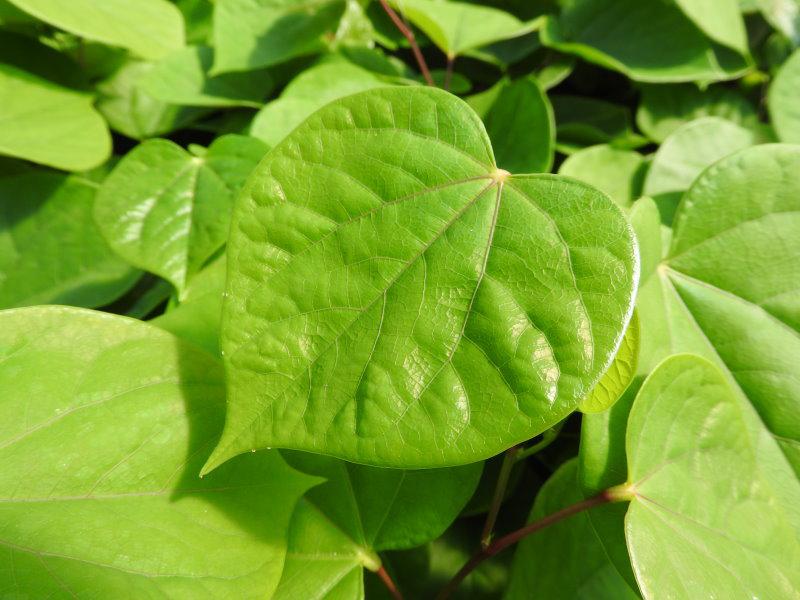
(548,437)
(412,40)
(509,459)
(448,74)
(512,538)
(389,583)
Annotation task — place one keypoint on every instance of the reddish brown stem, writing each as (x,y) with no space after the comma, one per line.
(389,583)
(412,40)
(512,538)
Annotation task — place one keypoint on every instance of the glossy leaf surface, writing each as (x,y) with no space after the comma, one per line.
(100,490)
(455,310)
(167,211)
(619,375)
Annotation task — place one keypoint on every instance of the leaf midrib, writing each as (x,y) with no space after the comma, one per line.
(411,261)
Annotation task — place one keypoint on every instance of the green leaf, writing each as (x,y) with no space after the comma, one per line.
(48,124)
(649,41)
(197,318)
(715,505)
(720,20)
(646,223)
(250,34)
(619,375)
(783,15)
(583,121)
(132,111)
(100,490)
(782,100)
(28,54)
(149,28)
(687,152)
(726,290)
(51,251)
(664,108)
(566,560)
(456,27)
(167,211)
(521,126)
(601,465)
(341,525)
(456,310)
(617,172)
(183,78)
(308,92)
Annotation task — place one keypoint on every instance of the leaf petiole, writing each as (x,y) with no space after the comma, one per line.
(616,494)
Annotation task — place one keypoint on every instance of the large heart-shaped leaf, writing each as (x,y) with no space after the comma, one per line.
(46,219)
(168,211)
(730,287)
(48,124)
(566,561)
(340,526)
(250,34)
(656,41)
(105,424)
(395,299)
(702,470)
(150,28)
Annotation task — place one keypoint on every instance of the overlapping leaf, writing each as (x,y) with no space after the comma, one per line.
(702,471)
(653,41)
(167,211)
(567,560)
(149,28)
(340,526)
(250,34)
(729,288)
(51,251)
(183,78)
(49,124)
(456,27)
(782,100)
(100,494)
